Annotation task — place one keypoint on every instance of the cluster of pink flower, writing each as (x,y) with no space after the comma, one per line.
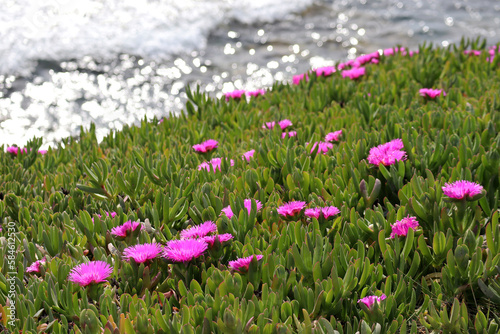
(248,205)
(237,94)
(282,124)
(493,51)
(206,146)
(328,211)
(215,163)
(388,153)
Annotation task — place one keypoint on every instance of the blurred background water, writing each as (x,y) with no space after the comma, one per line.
(64,63)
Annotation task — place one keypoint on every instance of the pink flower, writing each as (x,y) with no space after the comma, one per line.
(402,226)
(285,123)
(142,253)
(216,164)
(290,134)
(370,300)
(333,136)
(234,94)
(113,215)
(248,155)
(206,146)
(432,93)
(353,73)
(256,93)
(322,147)
(126,228)
(298,78)
(368,58)
(313,213)
(390,52)
(90,272)
(387,153)
(462,189)
(291,208)
(184,250)
(269,125)
(14,150)
(330,211)
(35,266)
(42,152)
(472,52)
(248,205)
(199,231)
(242,264)
(210,240)
(325,71)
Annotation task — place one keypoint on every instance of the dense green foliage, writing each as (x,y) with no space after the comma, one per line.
(313,272)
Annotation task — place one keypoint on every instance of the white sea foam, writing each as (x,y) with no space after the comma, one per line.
(65,29)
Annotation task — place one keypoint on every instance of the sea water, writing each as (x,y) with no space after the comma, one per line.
(65,64)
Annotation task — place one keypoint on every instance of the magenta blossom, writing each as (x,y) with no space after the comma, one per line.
(333,136)
(127,228)
(313,213)
(242,264)
(390,52)
(472,52)
(248,155)
(402,226)
(237,94)
(354,73)
(462,189)
(184,250)
(199,231)
(142,253)
(330,211)
(248,205)
(322,147)
(215,163)
(206,146)
(298,78)
(14,150)
(325,71)
(291,208)
(431,93)
(90,272)
(387,154)
(210,240)
(35,266)
(368,58)
(256,93)
(283,124)
(370,300)
(290,134)
(113,215)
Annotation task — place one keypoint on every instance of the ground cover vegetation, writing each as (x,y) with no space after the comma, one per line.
(361,198)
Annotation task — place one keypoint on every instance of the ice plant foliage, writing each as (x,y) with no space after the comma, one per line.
(90,272)
(402,226)
(333,136)
(199,231)
(431,93)
(291,208)
(184,250)
(248,205)
(206,146)
(242,264)
(142,253)
(462,189)
(370,300)
(354,73)
(127,228)
(388,153)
